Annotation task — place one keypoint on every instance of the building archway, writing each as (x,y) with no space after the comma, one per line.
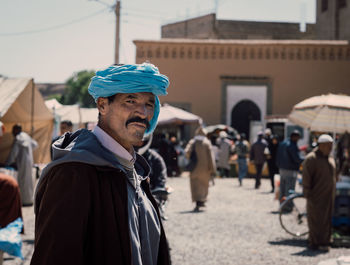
(242,114)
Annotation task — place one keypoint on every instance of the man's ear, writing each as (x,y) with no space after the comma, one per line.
(102,104)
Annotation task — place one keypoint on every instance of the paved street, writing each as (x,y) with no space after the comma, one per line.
(238,227)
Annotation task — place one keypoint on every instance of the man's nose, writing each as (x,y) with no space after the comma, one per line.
(142,110)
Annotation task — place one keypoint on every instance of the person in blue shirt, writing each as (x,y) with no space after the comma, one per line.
(288,161)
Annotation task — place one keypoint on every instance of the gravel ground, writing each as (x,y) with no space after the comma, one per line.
(237,227)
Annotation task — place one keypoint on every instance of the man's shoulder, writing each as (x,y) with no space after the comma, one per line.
(292,146)
(70,168)
(310,156)
(284,143)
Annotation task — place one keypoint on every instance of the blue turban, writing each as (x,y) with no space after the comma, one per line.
(130,78)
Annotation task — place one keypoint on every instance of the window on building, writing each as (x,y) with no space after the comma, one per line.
(324,5)
(341,3)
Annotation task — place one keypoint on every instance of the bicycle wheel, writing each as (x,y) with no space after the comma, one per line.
(293,217)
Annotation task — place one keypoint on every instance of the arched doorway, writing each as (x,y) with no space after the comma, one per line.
(242,113)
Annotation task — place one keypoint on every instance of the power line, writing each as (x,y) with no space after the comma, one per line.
(52,27)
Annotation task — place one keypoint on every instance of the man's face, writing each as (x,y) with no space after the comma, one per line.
(15,131)
(295,138)
(325,148)
(127,117)
(65,128)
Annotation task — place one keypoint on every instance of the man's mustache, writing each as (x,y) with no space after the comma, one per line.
(138,119)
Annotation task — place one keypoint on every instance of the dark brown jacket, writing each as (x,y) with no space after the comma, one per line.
(82,217)
(81,209)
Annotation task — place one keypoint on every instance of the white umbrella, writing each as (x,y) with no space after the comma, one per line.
(221,127)
(325,113)
(172,115)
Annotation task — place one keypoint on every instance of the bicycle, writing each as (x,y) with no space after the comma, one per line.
(292,215)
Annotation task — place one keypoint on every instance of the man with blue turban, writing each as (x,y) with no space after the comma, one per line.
(93,203)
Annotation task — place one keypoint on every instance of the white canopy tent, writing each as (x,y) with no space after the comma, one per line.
(22,103)
(176,121)
(169,115)
(78,116)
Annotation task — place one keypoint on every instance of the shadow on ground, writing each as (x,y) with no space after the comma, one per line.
(308,253)
(298,243)
(191,211)
(294,242)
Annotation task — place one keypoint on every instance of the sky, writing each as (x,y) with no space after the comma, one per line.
(50,40)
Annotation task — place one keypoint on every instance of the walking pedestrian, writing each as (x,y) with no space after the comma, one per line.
(242,151)
(319,178)
(258,156)
(65,126)
(288,161)
(224,152)
(271,159)
(164,150)
(204,170)
(158,174)
(173,157)
(93,203)
(21,155)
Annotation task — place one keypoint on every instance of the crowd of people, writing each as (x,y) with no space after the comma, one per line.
(113,169)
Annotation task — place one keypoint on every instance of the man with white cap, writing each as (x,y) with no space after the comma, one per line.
(319,178)
(93,203)
(224,153)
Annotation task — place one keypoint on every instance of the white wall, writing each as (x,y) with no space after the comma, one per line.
(236,93)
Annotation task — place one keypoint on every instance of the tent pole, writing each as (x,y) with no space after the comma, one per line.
(32,114)
(334,145)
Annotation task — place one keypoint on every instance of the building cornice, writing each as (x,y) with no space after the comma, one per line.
(244,42)
(243,49)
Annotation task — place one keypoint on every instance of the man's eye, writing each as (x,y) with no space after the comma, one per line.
(131,101)
(150,105)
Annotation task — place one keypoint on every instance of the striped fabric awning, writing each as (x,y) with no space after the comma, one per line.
(326,113)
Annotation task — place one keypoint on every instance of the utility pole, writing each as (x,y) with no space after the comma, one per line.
(117,27)
(216,7)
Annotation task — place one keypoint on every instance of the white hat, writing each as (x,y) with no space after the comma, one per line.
(267,131)
(325,138)
(223,134)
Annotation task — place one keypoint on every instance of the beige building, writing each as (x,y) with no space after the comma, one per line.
(333,20)
(237,81)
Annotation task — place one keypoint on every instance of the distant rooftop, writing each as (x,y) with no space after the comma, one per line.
(247,42)
(49,89)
